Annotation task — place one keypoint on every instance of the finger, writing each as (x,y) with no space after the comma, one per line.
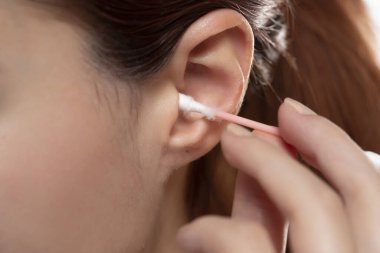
(253,204)
(329,149)
(222,235)
(277,142)
(295,190)
(250,201)
(342,163)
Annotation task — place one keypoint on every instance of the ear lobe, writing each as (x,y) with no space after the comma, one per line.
(214,60)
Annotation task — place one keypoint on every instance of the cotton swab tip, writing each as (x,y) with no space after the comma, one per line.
(185,102)
(188,104)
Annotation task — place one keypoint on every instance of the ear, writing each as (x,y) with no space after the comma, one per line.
(211,63)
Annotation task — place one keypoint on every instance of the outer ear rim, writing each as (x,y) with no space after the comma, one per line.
(234,20)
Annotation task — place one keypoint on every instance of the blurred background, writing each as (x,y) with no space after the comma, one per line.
(374,10)
(374,7)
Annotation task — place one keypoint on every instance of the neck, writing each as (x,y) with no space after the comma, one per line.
(172,214)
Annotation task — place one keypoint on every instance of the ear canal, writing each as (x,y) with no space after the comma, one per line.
(187,104)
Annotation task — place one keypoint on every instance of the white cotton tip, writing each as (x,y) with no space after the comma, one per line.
(188,104)
(374,158)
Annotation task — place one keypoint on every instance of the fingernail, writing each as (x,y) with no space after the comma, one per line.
(238,130)
(302,109)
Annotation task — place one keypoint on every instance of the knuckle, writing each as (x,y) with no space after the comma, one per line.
(244,229)
(317,200)
(362,191)
(329,200)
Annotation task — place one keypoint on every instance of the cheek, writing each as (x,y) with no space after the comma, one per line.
(64,181)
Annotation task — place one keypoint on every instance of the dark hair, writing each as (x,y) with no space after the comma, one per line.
(134,39)
(328,66)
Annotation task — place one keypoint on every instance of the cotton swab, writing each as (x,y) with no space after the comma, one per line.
(188,104)
(248,123)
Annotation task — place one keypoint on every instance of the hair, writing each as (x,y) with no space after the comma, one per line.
(329,66)
(314,51)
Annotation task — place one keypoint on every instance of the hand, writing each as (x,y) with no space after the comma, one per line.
(338,212)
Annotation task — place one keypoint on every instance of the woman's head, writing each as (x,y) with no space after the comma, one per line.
(91,138)
(90,129)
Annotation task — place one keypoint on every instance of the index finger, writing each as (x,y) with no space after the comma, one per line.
(294,189)
(329,149)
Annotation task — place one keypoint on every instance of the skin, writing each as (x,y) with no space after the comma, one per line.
(79,172)
(70,177)
(338,214)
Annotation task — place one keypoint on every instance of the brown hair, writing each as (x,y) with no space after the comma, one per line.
(328,65)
